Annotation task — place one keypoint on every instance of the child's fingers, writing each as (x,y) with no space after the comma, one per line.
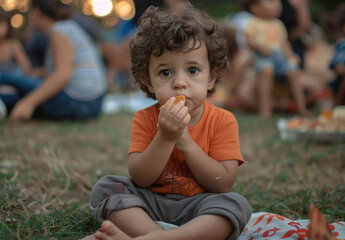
(182,113)
(185,120)
(176,113)
(167,106)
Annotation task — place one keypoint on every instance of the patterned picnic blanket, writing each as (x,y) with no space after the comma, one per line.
(267,226)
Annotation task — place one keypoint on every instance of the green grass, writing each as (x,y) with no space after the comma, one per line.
(48,168)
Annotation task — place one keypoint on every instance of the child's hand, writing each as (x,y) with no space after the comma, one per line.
(23,110)
(173,119)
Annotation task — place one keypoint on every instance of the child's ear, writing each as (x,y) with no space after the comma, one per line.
(212,81)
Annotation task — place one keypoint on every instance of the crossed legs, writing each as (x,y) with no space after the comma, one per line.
(134,223)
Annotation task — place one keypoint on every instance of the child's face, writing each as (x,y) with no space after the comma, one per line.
(187,73)
(3,29)
(267,8)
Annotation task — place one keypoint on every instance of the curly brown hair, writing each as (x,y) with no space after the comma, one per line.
(161,31)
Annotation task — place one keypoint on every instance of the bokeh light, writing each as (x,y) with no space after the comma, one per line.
(87,7)
(110,11)
(102,8)
(9,5)
(23,6)
(125,9)
(17,21)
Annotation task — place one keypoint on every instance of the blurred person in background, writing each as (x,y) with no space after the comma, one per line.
(36,42)
(13,59)
(335,22)
(240,82)
(74,84)
(267,37)
(236,90)
(240,88)
(296,19)
(306,41)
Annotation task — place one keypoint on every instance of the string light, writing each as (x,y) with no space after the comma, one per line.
(125,9)
(87,8)
(17,21)
(102,8)
(109,10)
(9,5)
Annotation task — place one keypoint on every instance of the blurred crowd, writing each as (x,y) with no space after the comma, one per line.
(279,60)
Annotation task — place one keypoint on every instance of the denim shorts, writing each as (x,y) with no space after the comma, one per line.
(277,61)
(61,106)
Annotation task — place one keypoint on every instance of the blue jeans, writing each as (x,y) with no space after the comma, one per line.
(61,106)
(277,61)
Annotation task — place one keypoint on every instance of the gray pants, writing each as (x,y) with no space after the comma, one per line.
(113,193)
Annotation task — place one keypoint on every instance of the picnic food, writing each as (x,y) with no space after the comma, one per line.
(178,98)
(333,123)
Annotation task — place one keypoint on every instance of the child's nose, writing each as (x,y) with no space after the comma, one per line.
(180,81)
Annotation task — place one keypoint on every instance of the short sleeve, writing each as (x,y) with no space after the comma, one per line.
(249,27)
(141,133)
(225,143)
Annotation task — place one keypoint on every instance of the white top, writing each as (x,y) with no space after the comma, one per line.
(88,78)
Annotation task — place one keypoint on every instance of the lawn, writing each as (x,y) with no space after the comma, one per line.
(48,168)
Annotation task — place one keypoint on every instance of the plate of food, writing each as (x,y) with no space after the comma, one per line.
(327,127)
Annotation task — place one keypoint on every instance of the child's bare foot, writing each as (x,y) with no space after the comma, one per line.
(110,232)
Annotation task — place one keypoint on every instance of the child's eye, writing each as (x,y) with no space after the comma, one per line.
(193,70)
(165,73)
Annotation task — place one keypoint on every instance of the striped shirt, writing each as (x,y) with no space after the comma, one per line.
(88,79)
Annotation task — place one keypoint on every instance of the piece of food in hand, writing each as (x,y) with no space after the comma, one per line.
(178,99)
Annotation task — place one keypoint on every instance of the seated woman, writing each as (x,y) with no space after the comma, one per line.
(12,56)
(74,85)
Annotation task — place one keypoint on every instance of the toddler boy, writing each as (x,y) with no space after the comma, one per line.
(183,157)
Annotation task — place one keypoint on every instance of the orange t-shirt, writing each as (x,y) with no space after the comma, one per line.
(216,134)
